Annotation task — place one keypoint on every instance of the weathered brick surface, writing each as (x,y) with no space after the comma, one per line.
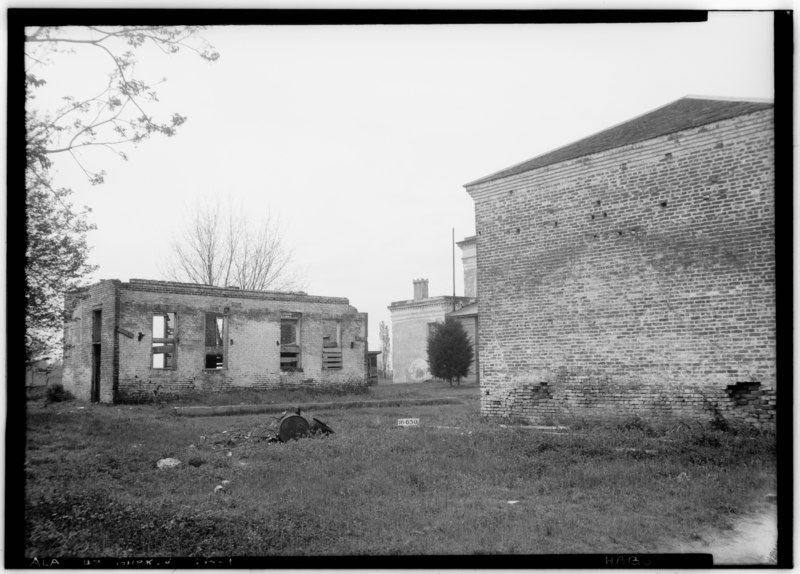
(78,344)
(252,340)
(638,280)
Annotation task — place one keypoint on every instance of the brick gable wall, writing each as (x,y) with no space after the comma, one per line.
(634,281)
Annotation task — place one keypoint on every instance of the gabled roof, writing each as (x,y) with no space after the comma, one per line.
(683,114)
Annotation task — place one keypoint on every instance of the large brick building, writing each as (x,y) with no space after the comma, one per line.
(134,341)
(633,272)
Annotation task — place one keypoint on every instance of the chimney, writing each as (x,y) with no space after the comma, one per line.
(420,289)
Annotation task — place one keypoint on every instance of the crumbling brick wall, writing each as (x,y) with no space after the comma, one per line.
(83,337)
(252,341)
(563,403)
(638,280)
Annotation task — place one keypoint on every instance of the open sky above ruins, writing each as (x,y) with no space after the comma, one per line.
(360,138)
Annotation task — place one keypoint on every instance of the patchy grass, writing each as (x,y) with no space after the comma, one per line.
(288,395)
(93,489)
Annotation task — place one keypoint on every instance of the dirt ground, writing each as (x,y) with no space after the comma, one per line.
(752,541)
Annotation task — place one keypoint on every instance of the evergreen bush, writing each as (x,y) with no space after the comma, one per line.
(449,351)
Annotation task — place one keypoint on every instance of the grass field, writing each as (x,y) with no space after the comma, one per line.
(93,489)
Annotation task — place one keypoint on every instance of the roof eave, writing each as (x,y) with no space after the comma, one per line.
(509,171)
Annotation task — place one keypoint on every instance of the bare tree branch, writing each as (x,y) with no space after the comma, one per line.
(110,107)
(220,246)
(57,249)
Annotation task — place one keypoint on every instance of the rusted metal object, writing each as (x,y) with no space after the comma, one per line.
(295,425)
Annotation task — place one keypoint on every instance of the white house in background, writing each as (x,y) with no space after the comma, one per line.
(413,319)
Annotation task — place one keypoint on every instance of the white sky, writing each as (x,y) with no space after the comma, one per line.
(360,138)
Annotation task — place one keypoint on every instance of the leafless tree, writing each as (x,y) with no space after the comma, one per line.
(223,247)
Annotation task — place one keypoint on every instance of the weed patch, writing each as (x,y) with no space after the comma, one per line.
(57,393)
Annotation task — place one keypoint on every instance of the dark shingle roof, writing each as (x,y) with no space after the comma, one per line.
(686,113)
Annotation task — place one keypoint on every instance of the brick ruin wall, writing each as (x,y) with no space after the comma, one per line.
(252,343)
(639,281)
(78,344)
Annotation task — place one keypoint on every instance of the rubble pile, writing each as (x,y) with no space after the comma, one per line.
(283,428)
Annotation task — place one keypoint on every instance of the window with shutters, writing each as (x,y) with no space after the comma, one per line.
(163,351)
(216,327)
(331,345)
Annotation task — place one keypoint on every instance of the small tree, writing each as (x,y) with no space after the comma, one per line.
(449,351)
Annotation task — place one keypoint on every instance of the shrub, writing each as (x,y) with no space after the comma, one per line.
(449,351)
(57,393)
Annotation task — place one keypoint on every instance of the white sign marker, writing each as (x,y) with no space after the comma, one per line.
(408,422)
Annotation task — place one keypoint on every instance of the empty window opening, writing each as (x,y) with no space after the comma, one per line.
(290,345)
(598,201)
(215,331)
(331,334)
(517,230)
(593,216)
(331,345)
(214,361)
(663,204)
(668,155)
(605,214)
(97,322)
(163,346)
(555,224)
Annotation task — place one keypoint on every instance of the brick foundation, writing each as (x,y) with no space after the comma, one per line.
(562,404)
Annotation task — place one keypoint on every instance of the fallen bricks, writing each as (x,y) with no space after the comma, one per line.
(222,410)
